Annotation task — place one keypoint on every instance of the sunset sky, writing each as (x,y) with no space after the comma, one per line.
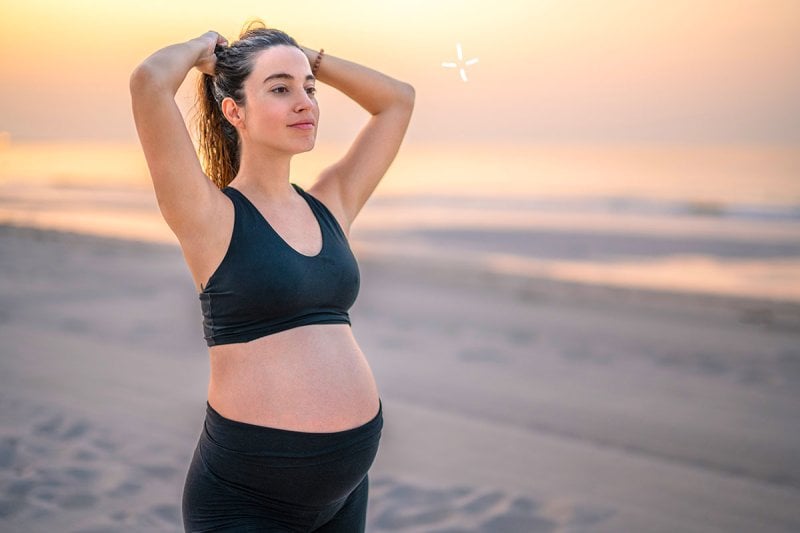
(695,71)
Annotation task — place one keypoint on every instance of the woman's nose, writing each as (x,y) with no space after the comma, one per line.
(304,101)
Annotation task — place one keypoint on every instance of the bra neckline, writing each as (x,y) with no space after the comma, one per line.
(266,222)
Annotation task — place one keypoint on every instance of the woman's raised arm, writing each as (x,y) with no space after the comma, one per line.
(390,102)
(186,197)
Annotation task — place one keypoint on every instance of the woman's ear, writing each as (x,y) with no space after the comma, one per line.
(233,112)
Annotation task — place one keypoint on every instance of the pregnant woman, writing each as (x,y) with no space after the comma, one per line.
(293,417)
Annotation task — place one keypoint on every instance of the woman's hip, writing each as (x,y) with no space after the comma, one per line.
(281,466)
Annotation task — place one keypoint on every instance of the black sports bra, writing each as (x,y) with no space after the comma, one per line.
(263,285)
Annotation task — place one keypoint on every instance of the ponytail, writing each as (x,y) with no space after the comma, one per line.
(217,138)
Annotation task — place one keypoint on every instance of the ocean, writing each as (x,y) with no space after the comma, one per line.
(722,219)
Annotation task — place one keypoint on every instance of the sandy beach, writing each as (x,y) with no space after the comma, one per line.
(511,404)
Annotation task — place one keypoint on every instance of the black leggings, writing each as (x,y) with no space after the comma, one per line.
(245,477)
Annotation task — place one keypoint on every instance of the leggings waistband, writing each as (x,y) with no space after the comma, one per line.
(247,438)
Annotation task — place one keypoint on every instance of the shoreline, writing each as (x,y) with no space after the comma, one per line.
(751,309)
(755,309)
(582,244)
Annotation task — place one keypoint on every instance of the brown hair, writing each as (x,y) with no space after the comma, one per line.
(218,139)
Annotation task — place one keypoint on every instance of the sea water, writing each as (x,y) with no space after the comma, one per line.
(703,218)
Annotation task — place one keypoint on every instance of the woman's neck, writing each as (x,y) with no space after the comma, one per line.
(265,173)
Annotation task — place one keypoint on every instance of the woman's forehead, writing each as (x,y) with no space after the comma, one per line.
(281,60)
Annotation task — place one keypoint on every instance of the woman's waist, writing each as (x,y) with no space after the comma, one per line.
(300,349)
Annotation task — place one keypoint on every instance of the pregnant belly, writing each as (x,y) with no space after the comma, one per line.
(312,378)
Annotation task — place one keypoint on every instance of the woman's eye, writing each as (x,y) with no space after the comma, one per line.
(311,91)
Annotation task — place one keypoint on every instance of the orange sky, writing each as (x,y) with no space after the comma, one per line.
(548,70)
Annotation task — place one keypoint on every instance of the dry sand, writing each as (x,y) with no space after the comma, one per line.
(510,405)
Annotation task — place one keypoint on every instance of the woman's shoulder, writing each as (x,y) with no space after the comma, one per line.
(332,201)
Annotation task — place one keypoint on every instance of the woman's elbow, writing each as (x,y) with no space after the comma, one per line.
(146,78)
(406,94)
(140,78)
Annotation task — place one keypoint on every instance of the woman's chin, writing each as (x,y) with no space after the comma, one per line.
(308,147)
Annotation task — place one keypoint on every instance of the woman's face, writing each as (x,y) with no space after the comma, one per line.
(280,109)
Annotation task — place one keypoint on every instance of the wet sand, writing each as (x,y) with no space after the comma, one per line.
(511,404)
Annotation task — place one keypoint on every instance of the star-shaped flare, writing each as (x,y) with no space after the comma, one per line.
(461,65)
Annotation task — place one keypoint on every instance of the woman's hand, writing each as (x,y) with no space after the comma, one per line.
(207,60)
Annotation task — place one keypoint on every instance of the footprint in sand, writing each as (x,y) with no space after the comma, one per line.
(8,451)
(104,444)
(400,506)
(75,430)
(520,337)
(81,475)
(48,428)
(483,503)
(171,514)
(124,489)
(7,508)
(83,454)
(78,500)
